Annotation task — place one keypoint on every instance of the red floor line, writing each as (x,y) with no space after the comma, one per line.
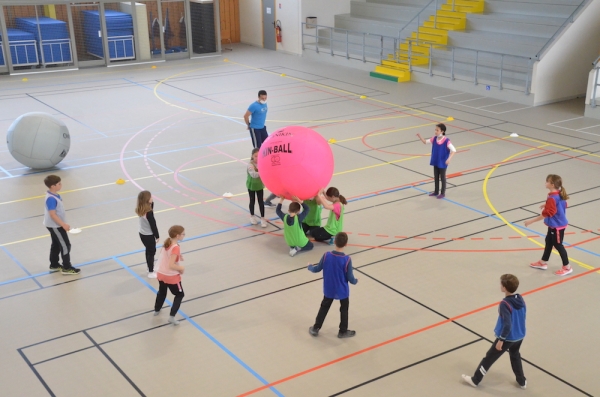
(418,331)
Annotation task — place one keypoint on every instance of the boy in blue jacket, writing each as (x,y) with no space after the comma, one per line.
(509,331)
(337,273)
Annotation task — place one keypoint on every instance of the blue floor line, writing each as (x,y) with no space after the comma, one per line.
(198,327)
(11,256)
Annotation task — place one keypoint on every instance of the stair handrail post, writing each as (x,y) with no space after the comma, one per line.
(435,15)
(430,59)
(396,49)
(363,48)
(562,27)
(302,30)
(476,62)
(347,53)
(409,42)
(452,5)
(501,67)
(331,40)
(595,89)
(317,38)
(381,51)
(527,82)
(452,66)
(418,24)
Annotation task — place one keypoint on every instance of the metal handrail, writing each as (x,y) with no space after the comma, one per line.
(417,16)
(596,83)
(562,27)
(595,63)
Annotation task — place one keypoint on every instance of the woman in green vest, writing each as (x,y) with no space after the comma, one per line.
(313,219)
(335,203)
(255,189)
(292,226)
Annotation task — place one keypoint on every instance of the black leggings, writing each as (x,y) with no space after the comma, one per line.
(492,355)
(320,234)
(176,289)
(261,203)
(325,305)
(150,244)
(554,238)
(439,173)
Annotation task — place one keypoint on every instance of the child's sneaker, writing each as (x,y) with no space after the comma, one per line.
(69,271)
(253,220)
(441,196)
(263,223)
(331,241)
(433,194)
(56,268)
(564,271)
(468,380)
(524,386)
(293,251)
(539,265)
(313,331)
(269,204)
(346,334)
(152,275)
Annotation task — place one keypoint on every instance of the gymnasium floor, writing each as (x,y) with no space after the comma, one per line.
(425,305)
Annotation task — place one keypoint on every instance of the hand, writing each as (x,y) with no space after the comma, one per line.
(542,206)
(499,345)
(67,227)
(281,200)
(248,127)
(182,270)
(181,257)
(419,135)
(447,161)
(528,222)
(296,199)
(157,240)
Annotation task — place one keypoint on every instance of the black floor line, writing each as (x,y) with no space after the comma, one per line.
(403,368)
(466,328)
(114,364)
(37,374)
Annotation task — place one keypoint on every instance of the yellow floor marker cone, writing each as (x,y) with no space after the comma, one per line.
(225,60)
(363,97)
(153,66)
(450,119)
(24,79)
(120,181)
(332,140)
(282,74)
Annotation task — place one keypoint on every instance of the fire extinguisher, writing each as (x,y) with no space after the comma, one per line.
(278,30)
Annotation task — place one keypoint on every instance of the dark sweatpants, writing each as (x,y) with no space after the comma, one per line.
(60,245)
(492,355)
(439,173)
(176,289)
(325,305)
(554,238)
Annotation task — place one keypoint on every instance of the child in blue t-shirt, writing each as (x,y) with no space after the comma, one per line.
(509,331)
(442,152)
(337,273)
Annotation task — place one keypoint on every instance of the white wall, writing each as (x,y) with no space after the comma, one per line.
(251,22)
(324,10)
(288,12)
(563,71)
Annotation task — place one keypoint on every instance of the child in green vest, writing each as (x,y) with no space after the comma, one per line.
(292,226)
(255,189)
(335,203)
(313,218)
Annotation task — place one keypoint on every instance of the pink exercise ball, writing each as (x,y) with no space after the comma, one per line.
(295,161)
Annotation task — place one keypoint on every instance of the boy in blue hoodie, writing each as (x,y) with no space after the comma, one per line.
(337,273)
(509,331)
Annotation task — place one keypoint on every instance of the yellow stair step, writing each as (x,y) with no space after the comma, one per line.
(391,71)
(429,38)
(449,20)
(452,14)
(466,9)
(402,65)
(433,31)
(442,25)
(415,49)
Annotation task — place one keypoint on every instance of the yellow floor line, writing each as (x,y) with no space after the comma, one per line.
(489,203)
(560,146)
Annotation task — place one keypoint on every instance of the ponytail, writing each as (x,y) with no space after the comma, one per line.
(333,192)
(442,127)
(556,181)
(174,231)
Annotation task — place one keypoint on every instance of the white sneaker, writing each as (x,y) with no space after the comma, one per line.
(524,386)
(152,275)
(253,220)
(293,251)
(263,223)
(468,380)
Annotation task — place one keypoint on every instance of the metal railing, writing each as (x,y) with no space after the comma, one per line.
(502,64)
(427,7)
(562,27)
(596,64)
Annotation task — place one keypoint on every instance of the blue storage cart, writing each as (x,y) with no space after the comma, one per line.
(23,48)
(119,27)
(52,37)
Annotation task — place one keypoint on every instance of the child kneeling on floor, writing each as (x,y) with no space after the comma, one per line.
(337,273)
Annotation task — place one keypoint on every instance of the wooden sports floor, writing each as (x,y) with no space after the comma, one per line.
(425,306)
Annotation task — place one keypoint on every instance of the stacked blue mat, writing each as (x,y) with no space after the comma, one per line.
(23,48)
(119,27)
(52,38)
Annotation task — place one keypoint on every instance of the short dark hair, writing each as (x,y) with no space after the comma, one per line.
(510,282)
(341,239)
(442,127)
(294,207)
(51,180)
(262,92)
(255,150)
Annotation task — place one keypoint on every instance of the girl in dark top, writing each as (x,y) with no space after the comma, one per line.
(148,230)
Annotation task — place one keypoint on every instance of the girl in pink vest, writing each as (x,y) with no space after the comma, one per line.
(169,272)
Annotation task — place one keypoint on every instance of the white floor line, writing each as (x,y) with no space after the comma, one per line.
(468,100)
(494,104)
(563,121)
(585,128)
(445,96)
